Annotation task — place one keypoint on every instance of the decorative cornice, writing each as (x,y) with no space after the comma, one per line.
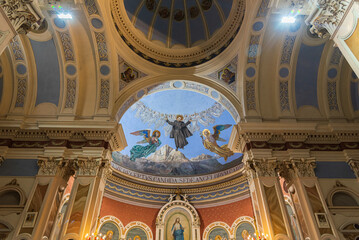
(72,138)
(23,14)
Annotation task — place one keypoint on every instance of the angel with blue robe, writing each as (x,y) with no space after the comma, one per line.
(210,141)
(139,151)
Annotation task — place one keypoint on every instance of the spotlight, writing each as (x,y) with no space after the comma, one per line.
(64,15)
(288,19)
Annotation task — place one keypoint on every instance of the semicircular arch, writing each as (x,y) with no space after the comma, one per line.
(129,94)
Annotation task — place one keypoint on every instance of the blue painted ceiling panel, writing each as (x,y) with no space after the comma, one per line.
(1,87)
(226,6)
(131,7)
(213,19)
(48,72)
(307,74)
(143,20)
(354,92)
(160,31)
(197,29)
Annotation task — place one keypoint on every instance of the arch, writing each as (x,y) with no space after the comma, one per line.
(239,221)
(129,94)
(141,225)
(172,208)
(213,226)
(346,194)
(24,236)
(13,190)
(114,220)
(5,229)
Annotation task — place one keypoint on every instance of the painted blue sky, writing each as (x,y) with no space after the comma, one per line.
(176,102)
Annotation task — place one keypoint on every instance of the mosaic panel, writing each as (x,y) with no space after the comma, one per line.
(67,46)
(251,96)
(332,96)
(101,46)
(287,49)
(105,93)
(284,96)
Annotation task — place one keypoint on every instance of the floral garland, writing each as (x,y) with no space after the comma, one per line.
(158,119)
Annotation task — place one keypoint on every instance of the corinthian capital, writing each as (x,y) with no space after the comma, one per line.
(264,167)
(354,164)
(48,165)
(304,167)
(326,16)
(23,14)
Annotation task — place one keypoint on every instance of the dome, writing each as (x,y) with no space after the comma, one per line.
(178,33)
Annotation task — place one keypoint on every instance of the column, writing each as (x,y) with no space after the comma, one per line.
(268,202)
(41,208)
(93,168)
(306,195)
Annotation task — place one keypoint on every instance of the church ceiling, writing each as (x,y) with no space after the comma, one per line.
(178,34)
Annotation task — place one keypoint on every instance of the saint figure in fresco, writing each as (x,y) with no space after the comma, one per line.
(179,131)
(210,141)
(153,141)
(177,230)
(128,75)
(228,76)
(109,235)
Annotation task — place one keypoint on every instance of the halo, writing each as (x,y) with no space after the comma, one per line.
(159,133)
(179,115)
(205,130)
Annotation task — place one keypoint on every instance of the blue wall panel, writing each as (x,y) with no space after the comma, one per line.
(333,170)
(19,167)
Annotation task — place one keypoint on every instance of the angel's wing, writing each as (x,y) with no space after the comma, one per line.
(217,130)
(145,133)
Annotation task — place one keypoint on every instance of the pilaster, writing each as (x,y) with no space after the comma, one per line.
(268,201)
(93,168)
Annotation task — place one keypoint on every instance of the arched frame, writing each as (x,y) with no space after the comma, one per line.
(214,225)
(167,209)
(114,220)
(141,225)
(129,93)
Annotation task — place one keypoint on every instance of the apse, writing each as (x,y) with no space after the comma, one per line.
(197,146)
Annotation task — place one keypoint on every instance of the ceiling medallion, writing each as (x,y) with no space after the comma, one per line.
(192,55)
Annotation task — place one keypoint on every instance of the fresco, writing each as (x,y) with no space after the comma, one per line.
(136,233)
(178,227)
(244,230)
(218,234)
(110,230)
(177,133)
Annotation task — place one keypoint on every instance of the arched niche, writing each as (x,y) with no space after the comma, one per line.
(112,224)
(341,196)
(12,197)
(147,85)
(169,215)
(217,230)
(243,227)
(137,231)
